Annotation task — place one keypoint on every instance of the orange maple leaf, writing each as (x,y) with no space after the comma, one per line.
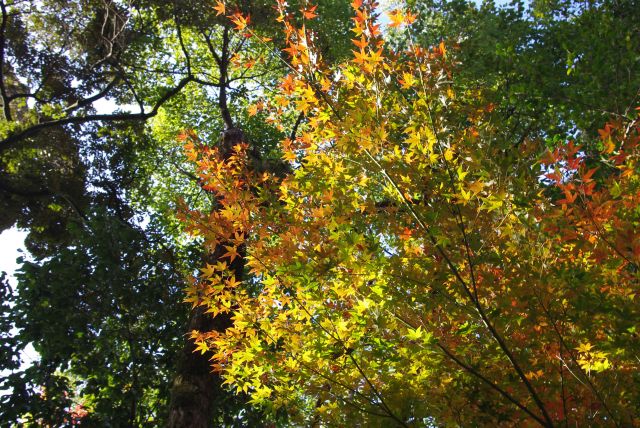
(232,253)
(232,282)
(289,156)
(219,8)
(410,18)
(374,30)
(442,49)
(360,57)
(406,234)
(240,21)
(292,50)
(309,13)
(376,56)
(570,197)
(362,43)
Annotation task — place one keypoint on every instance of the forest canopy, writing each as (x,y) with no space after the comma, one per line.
(421,213)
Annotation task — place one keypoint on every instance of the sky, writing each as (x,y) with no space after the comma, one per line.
(12,247)
(11,242)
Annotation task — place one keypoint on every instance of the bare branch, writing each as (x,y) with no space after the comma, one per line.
(86,101)
(13,140)
(3,89)
(223,65)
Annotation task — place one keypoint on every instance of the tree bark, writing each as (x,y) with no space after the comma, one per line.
(196,390)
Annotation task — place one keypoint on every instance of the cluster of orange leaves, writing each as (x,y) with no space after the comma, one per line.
(597,215)
(282,331)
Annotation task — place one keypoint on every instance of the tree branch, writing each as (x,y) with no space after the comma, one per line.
(294,131)
(13,140)
(86,101)
(223,64)
(3,89)
(468,291)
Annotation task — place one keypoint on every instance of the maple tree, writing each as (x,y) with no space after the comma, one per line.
(95,190)
(405,271)
(83,179)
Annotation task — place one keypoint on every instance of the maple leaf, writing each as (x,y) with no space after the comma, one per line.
(448,154)
(232,282)
(232,253)
(361,43)
(309,13)
(289,156)
(376,56)
(202,347)
(476,186)
(415,334)
(207,271)
(219,8)
(238,237)
(442,48)
(407,81)
(374,31)
(194,299)
(241,22)
(397,18)
(410,18)
(360,56)
(584,347)
(406,234)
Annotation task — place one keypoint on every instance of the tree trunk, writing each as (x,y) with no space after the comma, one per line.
(195,387)
(196,390)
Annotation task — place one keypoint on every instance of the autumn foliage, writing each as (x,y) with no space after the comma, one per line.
(408,271)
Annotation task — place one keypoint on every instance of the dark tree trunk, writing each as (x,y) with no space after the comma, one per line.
(197,393)
(195,387)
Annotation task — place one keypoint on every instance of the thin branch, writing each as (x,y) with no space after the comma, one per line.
(345,348)
(86,101)
(13,140)
(185,52)
(593,388)
(497,336)
(212,50)
(3,89)
(294,131)
(491,384)
(479,375)
(223,65)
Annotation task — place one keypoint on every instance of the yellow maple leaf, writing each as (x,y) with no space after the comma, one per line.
(397,18)
(584,347)
(202,347)
(476,186)
(207,271)
(448,154)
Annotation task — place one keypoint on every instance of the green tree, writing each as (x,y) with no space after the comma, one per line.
(551,68)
